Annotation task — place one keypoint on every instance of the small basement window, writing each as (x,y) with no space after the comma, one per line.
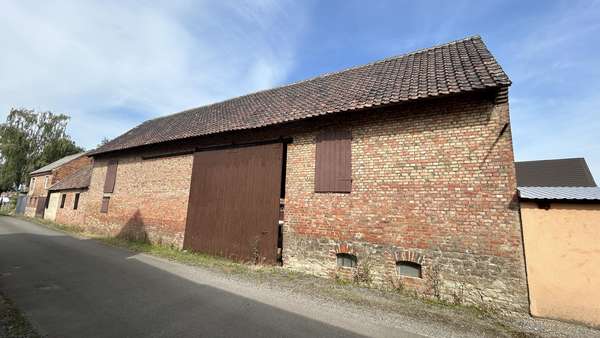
(104,206)
(63,197)
(76,201)
(408,269)
(346,260)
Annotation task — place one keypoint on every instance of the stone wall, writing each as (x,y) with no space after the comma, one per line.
(149,199)
(432,183)
(30,208)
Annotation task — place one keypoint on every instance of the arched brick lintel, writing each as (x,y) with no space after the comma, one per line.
(408,256)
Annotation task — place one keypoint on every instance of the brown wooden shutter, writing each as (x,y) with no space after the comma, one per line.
(104,206)
(333,167)
(111,176)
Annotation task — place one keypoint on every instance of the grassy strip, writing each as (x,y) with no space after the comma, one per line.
(394,301)
(12,321)
(163,251)
(174,254)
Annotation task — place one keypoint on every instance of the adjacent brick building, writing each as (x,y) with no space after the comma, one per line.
(69,196)
(402,168)
(46,176)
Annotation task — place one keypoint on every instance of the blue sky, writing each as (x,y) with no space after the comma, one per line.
(113,64)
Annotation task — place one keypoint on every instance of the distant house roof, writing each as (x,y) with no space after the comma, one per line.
(456,67)
(77,180)
(560,193)
(568,172)
(57,163)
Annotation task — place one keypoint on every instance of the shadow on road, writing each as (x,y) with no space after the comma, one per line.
(80,288)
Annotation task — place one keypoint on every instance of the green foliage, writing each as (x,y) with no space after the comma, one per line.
(59,148)
(30,140)
(104,141)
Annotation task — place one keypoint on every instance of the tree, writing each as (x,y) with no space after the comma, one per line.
(29,140)
(59,148)
(104,141)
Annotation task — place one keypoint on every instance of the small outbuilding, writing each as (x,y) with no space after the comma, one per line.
(561,233)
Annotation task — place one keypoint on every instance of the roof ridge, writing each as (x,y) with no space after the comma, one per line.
(459,66)
(418,51)
(553,159)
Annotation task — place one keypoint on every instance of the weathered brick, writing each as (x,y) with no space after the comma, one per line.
(149,200)
(433,183)
(39,184)
(68,215)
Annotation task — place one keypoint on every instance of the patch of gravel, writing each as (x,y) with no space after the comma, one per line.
(413,314)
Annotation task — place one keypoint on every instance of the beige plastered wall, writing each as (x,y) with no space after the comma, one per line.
(50,213)
(562,251)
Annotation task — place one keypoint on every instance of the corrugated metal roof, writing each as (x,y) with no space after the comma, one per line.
(560,193)
(565,172)
(57,163)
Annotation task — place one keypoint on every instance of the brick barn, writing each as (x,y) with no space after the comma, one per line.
(404,166)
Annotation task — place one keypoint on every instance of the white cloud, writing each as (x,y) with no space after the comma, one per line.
(111,65)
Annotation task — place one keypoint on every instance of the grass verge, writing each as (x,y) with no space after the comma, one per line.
(12,321)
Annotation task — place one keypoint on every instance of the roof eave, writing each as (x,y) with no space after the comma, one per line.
(94,152)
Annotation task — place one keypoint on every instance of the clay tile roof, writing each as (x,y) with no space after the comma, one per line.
(456,67)
(77,180)
(566,172)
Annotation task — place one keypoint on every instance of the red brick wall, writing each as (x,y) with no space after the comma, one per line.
(36,191)
(434,182)
(68,215)
(36,185)
(37,188)
(69,168)
(149,200)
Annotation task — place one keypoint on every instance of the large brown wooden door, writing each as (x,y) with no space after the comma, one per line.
(233,208)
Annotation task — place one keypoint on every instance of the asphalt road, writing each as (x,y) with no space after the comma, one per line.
(70,287)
